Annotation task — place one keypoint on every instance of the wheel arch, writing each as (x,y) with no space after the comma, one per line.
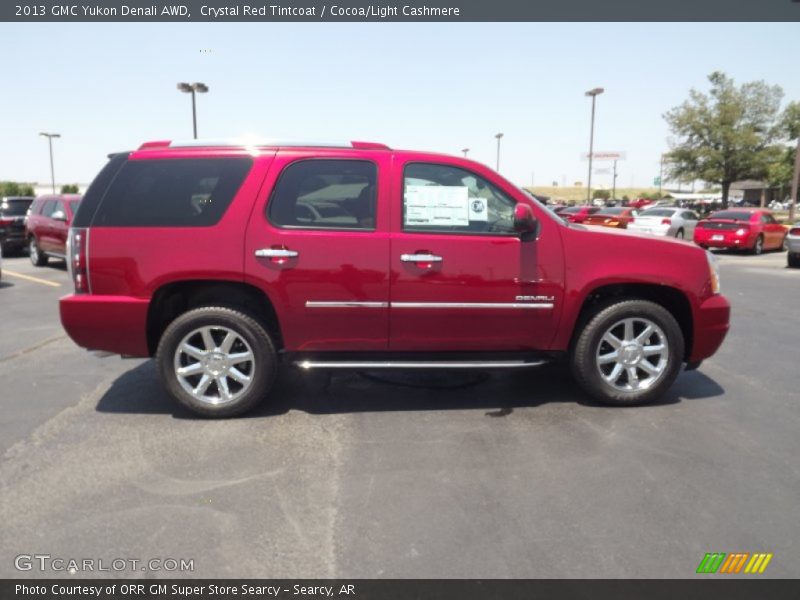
(173,299)
(672,299)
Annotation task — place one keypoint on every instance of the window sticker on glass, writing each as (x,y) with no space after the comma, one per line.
(478,209)
(437,205)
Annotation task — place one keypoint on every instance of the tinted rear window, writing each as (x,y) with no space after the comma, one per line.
(171,193)
(731,214)
(611,211)
(14,208)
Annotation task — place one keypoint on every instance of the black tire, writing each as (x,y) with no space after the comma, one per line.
(679,234)
(758,247)
(262,372)
(793,260)
(584,363)
(38,258)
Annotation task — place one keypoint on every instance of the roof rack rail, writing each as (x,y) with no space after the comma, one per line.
(268,142)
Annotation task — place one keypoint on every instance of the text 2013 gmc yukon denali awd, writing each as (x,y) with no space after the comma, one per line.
(223,260)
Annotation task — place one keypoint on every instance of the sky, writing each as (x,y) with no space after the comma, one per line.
(421,86)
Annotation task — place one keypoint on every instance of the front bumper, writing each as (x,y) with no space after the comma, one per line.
(711,324)
(116,324)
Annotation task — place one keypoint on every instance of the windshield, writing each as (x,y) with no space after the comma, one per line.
(15,208)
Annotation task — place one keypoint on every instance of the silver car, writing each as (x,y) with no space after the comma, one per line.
(665,221)
(793,246)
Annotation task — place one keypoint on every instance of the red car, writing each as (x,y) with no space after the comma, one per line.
(224,261)
(618,217)
(578,214)
(753,229)
(47,226)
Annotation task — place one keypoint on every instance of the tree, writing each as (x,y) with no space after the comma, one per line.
(601,194)
(69,189)
(12,188)
(790,124)
(725,135)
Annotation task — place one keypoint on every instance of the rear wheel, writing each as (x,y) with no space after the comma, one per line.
(38,258)
(758,247)
(216,361)
(679,234)
(628,353)
(793,260)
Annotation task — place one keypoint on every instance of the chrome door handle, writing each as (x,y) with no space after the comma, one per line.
(276,253)
(429,258)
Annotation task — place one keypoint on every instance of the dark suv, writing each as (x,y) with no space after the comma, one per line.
(225,260)
(12,222)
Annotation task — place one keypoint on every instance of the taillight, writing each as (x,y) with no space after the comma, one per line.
(77,254)
(794,231)
(4,222)
(743,230)
(666,221)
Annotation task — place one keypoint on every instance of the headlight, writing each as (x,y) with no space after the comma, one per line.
(713,270)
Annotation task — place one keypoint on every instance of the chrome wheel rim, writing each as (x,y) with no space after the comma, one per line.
(33,251)
(214,364)
(632,355)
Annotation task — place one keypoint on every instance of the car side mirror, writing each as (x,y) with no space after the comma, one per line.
(524,221)
(59,215)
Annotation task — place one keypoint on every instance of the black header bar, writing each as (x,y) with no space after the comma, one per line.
(706,588)
(403,10)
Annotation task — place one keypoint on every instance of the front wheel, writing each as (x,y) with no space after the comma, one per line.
(38,258)
(217,361)
(628,353)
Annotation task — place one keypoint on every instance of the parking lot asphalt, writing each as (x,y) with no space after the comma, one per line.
(495,475)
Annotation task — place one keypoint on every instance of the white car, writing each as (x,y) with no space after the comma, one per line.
(665,221)
(793,246)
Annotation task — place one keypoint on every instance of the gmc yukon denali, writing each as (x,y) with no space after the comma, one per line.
(224,260)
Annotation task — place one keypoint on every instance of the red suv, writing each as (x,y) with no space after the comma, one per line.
(224,261)
(47,226)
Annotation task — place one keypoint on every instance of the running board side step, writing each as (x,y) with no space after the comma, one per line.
(412,364)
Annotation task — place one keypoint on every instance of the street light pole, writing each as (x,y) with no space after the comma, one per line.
(465,150)
(499,136)
(193,89)
(593,93)
(795,183)
(50,137)
(661,175)
(614,183)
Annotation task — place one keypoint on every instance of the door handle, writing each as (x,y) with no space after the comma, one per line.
(420,258)
(276,253)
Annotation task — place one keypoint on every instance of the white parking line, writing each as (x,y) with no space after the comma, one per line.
(31,278)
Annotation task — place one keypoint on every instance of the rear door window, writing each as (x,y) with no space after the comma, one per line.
(172,192)
(325,194)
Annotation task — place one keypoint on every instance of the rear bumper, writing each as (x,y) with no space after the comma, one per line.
(728,241)
(711,325)
(116,324)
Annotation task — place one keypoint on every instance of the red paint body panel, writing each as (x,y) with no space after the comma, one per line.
(112,323)
(557,270)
